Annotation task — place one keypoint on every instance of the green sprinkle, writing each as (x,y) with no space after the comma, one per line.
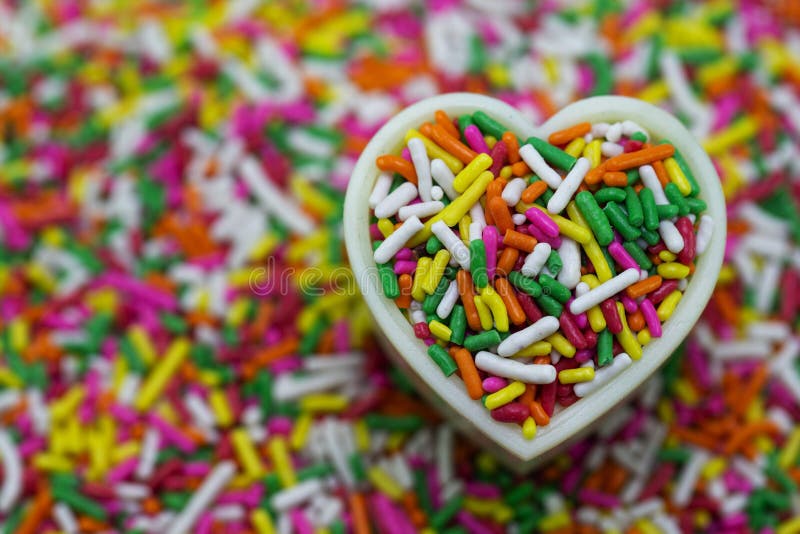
(549,305)
(638,255)
(388,281)
(634,207)
(356,462)
(82,504)
(650,236)
(442,358)
(458,324)
(551,154)
(603,74)
(619,219)
(675,197)
(639,136)
(554,263)
(523,283)
(433,245)
(463,122)
(310,340)
(696,205)
(649,208)
(481,341)
(432,301)
(688,172)
(554,288)
(610,194)
(444,514)
(477,263)
(666,211)
(393,423)
(488,125)
(595,217)
(605,347)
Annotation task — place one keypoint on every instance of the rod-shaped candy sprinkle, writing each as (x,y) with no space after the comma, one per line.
(515,370)
(604,291)
(528,336)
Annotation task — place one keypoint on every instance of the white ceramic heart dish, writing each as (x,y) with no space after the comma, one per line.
(449,394)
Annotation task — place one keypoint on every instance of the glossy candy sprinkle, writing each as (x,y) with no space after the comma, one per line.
(545,263)
(158,160)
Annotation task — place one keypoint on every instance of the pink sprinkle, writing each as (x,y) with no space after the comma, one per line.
(651,317)
(494,383)
(491,237)
(621,256)
(542,221)
(475,140)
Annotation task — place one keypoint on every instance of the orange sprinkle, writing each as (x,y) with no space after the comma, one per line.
(539,415)
(507,261)
(405,281)
(443,120)
(499,210)
(515,311)
(747,431)
(520,168)
(642,288)
(519,241)
(594,176)
(630,160)
(513,147)
(495,189)
(469,373)
(636,321)
(37,511)
(452,144)
(615,179)
(534,191)
(661,172)
(464,281)
(358,513)
(562,137)
(392,163)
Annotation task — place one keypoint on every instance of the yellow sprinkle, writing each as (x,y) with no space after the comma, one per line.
(312,196)
(540,348)
(279,454)
(498,75)
(161,373)
(125,451)
(529,428)
(439,264)
(40,277)
(324,402)
(300,431)
(668,305)
(592,153)
(490,141)
(497,307)
(570,228)
(555,521)
(739,132)
(722,68)
(677,176)
(66,405)
(9,379)
(573,376)
(262,521)
(665,411)
(492,508)
(626,337)
(50,462)
(596,319)
(246,453)
(645,526)
(791,449)
(655,92)
(647,25)
(792,526)
(673,270)
(644,337)
(575,147)
(264,247)
(237,312)
(141,342)
(504,395)
(483,313)
(385,483)
(421,274)
(550,68)
(562,345)
(459,207)
(218,402)
(506,172)
(714,468)
(463,228)
(726,275)
(395,441)
(362,435)
(440,330)
(666,255)
(436,152)
(471,172)
(684,390)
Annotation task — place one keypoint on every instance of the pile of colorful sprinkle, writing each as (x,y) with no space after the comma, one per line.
(158,160)
(531,307)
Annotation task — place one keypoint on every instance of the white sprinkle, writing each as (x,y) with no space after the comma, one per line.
(273,200)
(290,387)
(536,259)
(610,150)
(443,176)
(454,245)
(775,331)
(519,219)
(444,453)
(528,336)
(614,132)
(477,215)
(630,127)
(513,191)
(12,472)
(684,487)
(603,375)
(744,349)
(419,157)
(380,190)
(294,496)
(437,193)
(8,399)
(671,236)
(567,188)
(397,240)
(704,231)
(214,483)
(750,471)
(570,253)
(449,300)
(65,518)
(733,504)
(391,203)
(603,291)
(650,180)
(149,452)
(539,166)
(420,209)
(767,285)
(515,370)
